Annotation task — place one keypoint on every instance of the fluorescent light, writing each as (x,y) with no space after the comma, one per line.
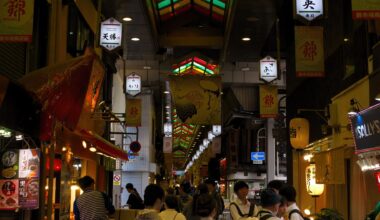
(167,106)
(346,39)
(246,39)
(84,144)
(127,19)
(135,39)
(166,92)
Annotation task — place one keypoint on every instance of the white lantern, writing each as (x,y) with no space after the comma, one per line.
(168,129)
(312,187)
(206,142)
(217,130)
(210,136)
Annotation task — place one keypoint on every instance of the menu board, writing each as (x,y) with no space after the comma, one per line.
(9,164)
(8,194)
(29,163)
(29,193)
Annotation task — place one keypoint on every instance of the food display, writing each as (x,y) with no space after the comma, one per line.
(8,194)
(9,164)
(28,191)
(29,163)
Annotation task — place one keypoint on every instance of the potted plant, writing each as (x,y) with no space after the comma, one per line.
(328,214)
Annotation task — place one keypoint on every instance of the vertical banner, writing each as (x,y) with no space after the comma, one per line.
(168,145)
(329,167)
(16,20)
(133,112)
(365,9)
(197,99)
(309,49)
(268,101)
(29,163)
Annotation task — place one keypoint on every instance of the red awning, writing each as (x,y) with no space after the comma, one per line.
(102,145)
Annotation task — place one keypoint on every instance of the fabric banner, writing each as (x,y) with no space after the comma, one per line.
(268,101)
(309,48)
(365,9)
(197,99)
(16,20)
(168,142)
(330,167)
(133,112)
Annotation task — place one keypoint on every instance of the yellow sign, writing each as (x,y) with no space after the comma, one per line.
(330,167)
(16,20)
(116,179)
(365,9)
(133,112)
(309,51)
(197,99)
(268,101)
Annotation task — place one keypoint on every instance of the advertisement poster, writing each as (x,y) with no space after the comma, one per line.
(309,47)
(29,163)
(16,20)
(365,9)
(9,164)
(8,194)
(268,101)
(197,99)
(28,193)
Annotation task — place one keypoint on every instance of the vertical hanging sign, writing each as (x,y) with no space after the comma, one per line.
(309,51)
(133,84)
(168,145)
(268,101)
(133,112)
(268,69)
(110,34)
(309,9)
(16,20)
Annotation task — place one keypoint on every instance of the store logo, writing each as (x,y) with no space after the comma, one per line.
(368,129)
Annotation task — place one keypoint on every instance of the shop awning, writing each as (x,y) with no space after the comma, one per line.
(102,145)
(19,110)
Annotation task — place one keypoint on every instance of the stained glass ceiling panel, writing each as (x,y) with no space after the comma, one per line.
(195,65)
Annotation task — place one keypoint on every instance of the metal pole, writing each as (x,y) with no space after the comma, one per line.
(51,174)
(271,151)
(43,179)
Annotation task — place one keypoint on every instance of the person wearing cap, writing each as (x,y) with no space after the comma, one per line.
(270,202)
(241,208)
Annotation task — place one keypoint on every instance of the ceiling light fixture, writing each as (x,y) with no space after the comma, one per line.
(127,19)
(84,144)
(377,98)
(166,92)
(167,106)
(92,149)
(346,39)
(147,67)
(246,39)
(355,107)
(135,39)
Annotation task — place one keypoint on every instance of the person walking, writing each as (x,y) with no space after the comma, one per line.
(190,209)
(171,209)
(270,202)
(153,200)
(92,204)
(212,188)
(293,212)
(241,208)
(134,199)
(184,195)
(206,207)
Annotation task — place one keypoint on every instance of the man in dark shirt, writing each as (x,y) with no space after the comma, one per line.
(134,199)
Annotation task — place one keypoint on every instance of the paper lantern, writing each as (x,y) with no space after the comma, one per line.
(312,187)
(299,133)
(168,129)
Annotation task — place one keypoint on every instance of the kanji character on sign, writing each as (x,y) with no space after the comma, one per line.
(113,36)
(309,3)
(133,112)
(16,8)
(105,36)
(309,50)
(269,100)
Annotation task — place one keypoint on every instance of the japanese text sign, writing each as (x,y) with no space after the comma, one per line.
(309,51)
(16,20)
(133,112)
(309,9)
(268,69)
(110,34)
(133,84)
(268,101)
(365,9)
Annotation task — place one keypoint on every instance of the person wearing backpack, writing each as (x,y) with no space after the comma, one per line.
(270,202)
(241,208)
(211,184)
(293,212)
(171,209)
(134,199)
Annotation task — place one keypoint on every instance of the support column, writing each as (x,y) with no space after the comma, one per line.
(271,151)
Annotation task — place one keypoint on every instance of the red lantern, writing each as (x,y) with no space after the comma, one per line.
(57,164)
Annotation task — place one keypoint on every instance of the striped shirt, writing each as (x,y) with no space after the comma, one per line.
(91,205)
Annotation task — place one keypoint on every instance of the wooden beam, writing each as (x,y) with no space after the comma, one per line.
(89,13)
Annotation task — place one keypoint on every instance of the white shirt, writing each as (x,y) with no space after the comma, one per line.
(244,208)
(171,214)
(266,212)
(295,216)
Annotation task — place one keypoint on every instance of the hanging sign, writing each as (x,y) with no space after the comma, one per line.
(309,9)
(29,163)
(309,51)
(29,193)
(168,145)
(133,112)
(110,34)
(16,20)
(9,194)
(268,101)
(365,9)
(133,84)
(268,69)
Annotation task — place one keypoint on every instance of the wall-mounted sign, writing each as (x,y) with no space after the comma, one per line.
(365,9)
(135,146)
(133,84)
(268,101)
(257,157)
(116,179)
(309,47)
(110,34)
(16,20)
(309,9)
(366,129)
(133,112)
(268,69)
